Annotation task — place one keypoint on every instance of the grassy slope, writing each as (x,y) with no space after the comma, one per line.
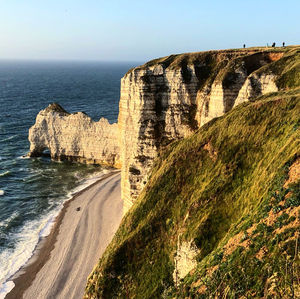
(231,194)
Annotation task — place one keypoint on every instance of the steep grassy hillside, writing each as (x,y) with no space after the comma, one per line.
(232,192)
(227,189)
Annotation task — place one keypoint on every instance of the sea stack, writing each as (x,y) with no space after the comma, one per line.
(74,137)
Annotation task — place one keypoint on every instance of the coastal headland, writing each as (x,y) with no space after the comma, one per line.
(208,145)
(164,100)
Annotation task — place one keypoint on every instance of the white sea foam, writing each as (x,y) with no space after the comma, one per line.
(29,236)
(5,173)
(1,192)
(89,181)
(6,288)
(8,138)
(24,157)
(32,178)
(9,219)
(26,241)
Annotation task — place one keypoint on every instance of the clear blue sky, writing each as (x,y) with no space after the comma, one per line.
(140,30)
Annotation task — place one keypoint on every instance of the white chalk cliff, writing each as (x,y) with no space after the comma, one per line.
(161,101)
(74,137)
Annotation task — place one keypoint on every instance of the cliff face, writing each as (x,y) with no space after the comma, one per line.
(74,137)
(164,100)
(169,98)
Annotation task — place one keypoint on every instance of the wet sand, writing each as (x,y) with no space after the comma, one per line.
(83,229)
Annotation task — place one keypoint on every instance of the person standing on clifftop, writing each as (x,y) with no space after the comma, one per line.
(283,44)
(244,46)
(273,45)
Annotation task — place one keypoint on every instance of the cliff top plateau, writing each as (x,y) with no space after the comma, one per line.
(175,60)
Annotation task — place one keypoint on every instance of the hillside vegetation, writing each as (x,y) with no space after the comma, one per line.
(232,191)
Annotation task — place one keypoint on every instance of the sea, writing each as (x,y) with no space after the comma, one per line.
(32,191)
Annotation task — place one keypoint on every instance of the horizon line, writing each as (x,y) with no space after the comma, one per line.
(66,60)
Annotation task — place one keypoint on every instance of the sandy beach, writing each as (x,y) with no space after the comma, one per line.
(83,229)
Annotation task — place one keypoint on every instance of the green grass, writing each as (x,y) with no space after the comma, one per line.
(255,144)
(175,60)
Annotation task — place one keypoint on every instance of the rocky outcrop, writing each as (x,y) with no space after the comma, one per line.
(184,260)
(169,98)
(74,137)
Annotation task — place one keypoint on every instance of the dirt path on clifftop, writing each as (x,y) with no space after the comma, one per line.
(81,239)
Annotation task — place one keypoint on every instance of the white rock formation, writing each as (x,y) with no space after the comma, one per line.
(170,98)
(184,260)
(256,85)
(74,137)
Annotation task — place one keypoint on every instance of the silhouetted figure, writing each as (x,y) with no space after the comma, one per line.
(244,46)
(273,45)
(283,44)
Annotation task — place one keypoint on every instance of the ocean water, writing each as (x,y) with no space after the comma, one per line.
(32,191)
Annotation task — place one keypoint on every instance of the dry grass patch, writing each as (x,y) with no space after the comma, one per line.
(294,173)
(262,252)
(235,242)
(213,154)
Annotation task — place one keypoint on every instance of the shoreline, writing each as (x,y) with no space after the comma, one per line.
(25,276)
